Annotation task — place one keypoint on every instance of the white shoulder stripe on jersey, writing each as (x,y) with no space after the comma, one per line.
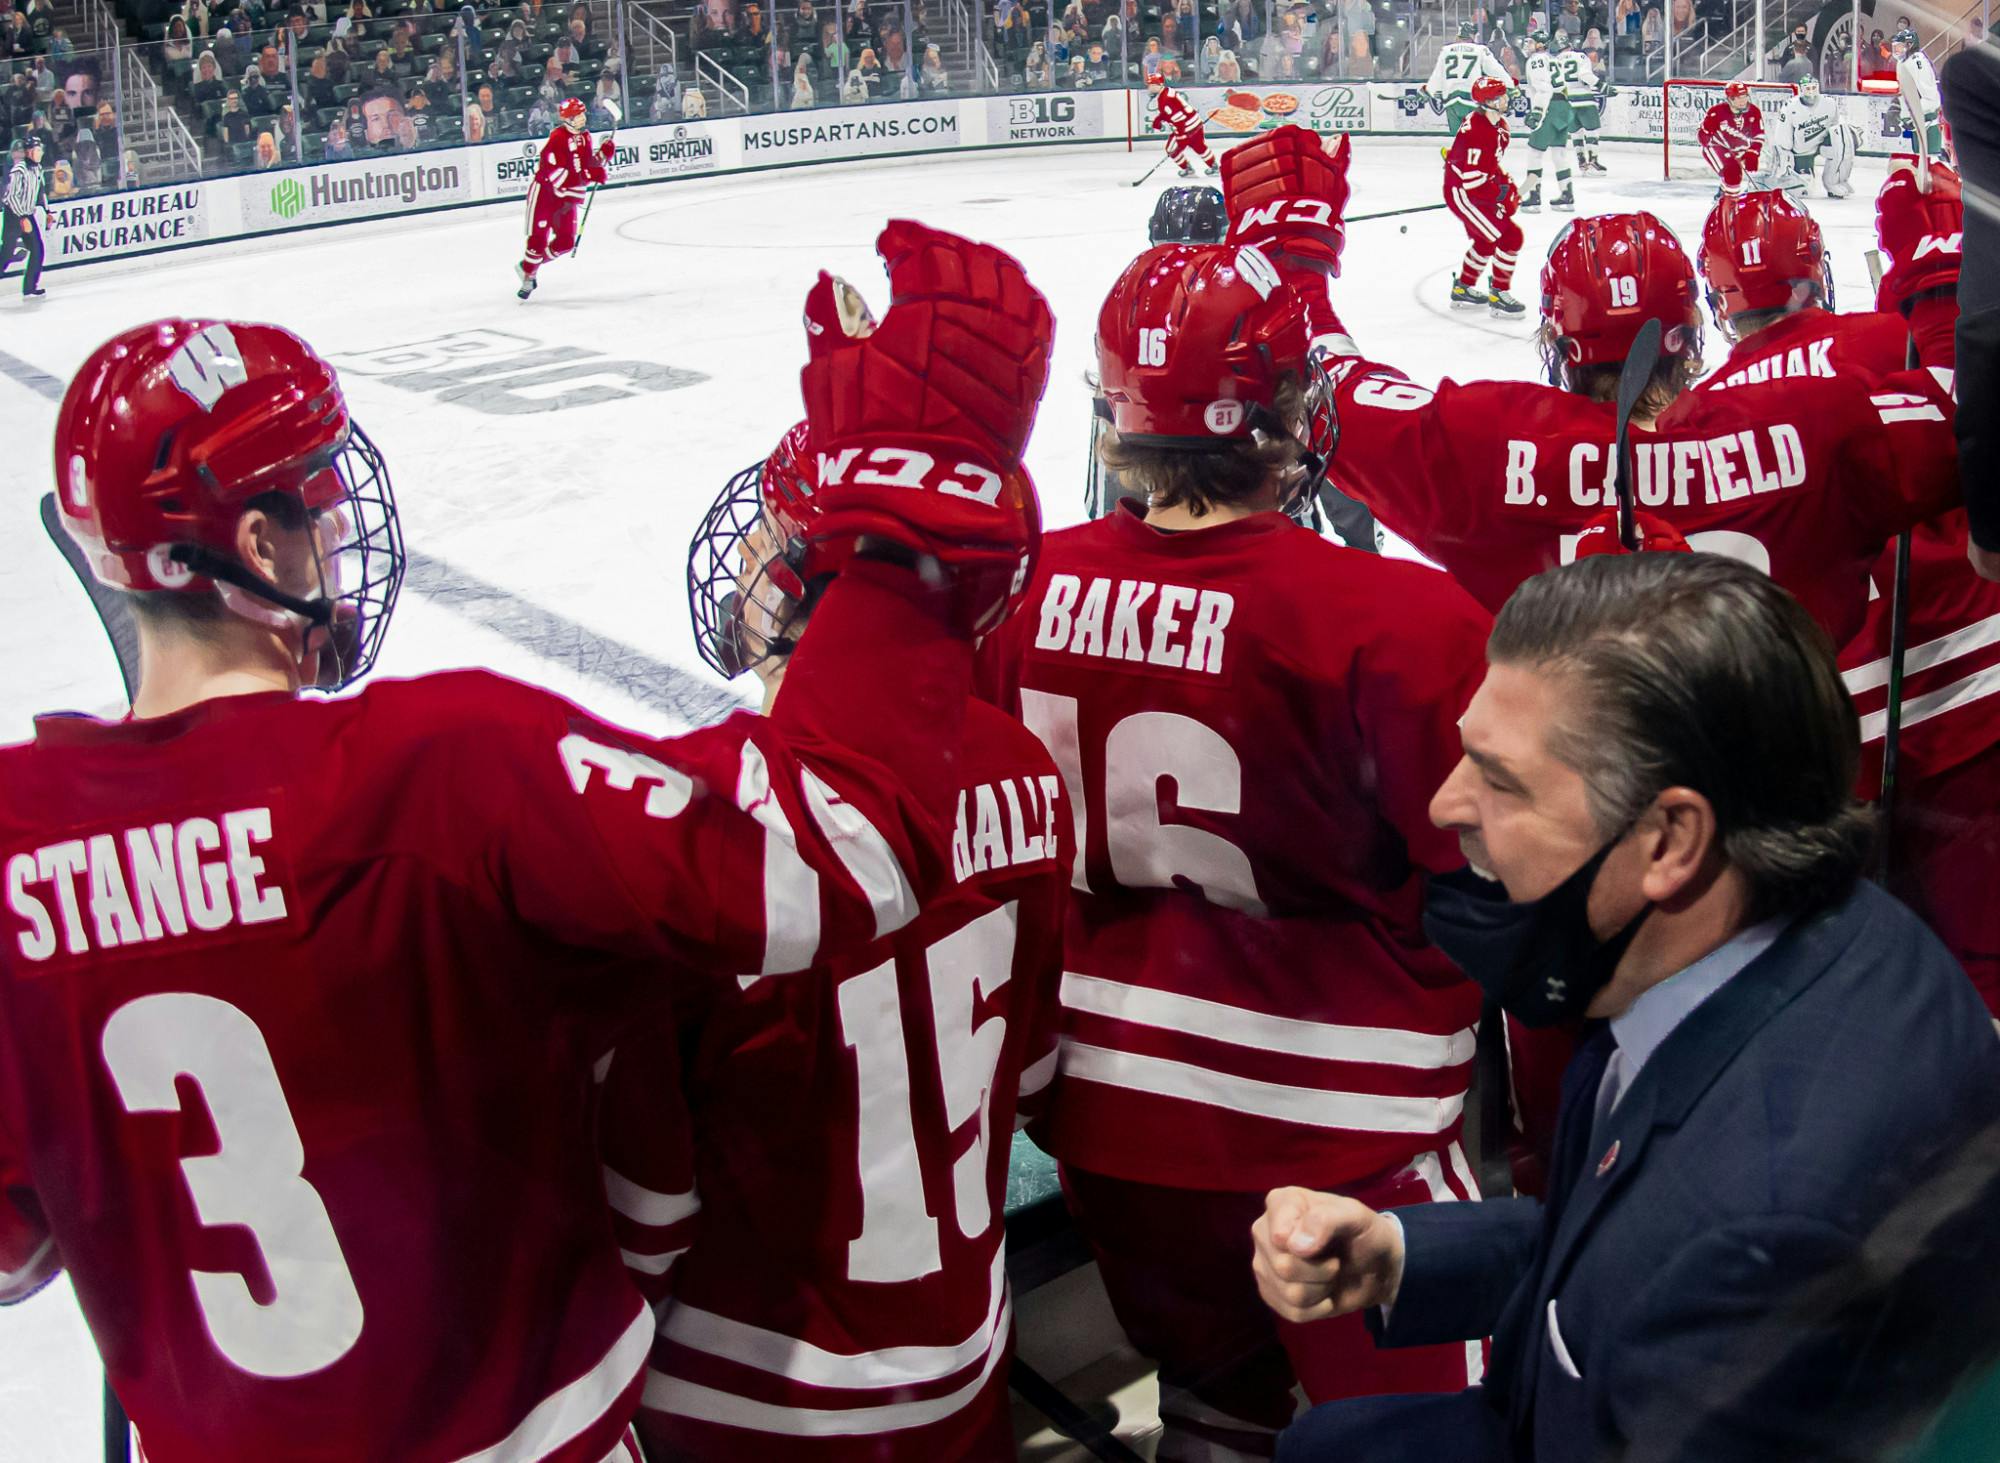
(814,1366)
(1359,1112)
(866,855)
(665,1393)
(791,888)
(564,1414)
(30,1274)
(1194,1016)
(648,1206)
(1975,687)
(1034,1078)
(651,1264)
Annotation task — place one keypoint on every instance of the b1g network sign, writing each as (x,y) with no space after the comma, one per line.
(356,190)
(1046,118)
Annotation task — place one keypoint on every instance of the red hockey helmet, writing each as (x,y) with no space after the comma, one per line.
(170,431)
(1157,78)
(571,113)
(1736,91)
(1193,343)
(1761,251)
(1488,90)
(1656,536)
(1607,276)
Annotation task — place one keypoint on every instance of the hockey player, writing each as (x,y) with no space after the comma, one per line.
(1190,214)
(1917,84)
(1585,92)
(567,170)
(1483,197)
(298,998)
(1186,141)
(1804,470)
(1732,137)
(1944,855)
(1246,993)
(1550,123)
(1808,130)
(1460,64)
(883,1084)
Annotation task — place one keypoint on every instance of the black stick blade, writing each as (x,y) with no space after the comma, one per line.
(1640,362)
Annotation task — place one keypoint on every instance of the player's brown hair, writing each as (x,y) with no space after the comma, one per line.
(1674,374)
(198,614)
(1227,474)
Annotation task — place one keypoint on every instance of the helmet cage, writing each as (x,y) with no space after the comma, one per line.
(719,597)
(356,538)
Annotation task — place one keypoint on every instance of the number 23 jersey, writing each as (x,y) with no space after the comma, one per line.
(1250,721)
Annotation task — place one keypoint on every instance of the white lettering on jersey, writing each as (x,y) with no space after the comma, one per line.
(208,364)
(984,841)
(144,884)
(1718,470)
(1073,619)
(1813,359)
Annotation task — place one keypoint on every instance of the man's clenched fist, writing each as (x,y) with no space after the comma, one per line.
(1319,1255)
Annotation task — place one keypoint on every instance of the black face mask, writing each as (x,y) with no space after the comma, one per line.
(1537,959)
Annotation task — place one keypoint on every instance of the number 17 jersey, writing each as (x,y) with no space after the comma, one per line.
(1251,721)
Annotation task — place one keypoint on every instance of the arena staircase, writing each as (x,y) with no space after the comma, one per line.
(153,128)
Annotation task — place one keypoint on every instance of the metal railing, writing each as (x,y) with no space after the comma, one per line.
(732,95)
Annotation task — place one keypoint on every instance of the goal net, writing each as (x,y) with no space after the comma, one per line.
(1686,101)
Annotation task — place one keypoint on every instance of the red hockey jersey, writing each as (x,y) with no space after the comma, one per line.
(1731,131)
(298,1001)
(1172,112)
(1474,164)
(1787,463)
(1251,722)
(567,167)
(832,1158)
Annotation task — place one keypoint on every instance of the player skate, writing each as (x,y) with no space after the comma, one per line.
(1483,198)
(567,170)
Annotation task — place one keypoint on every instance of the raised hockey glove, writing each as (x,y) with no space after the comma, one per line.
(1286,192)
(919,422)
(1923,233)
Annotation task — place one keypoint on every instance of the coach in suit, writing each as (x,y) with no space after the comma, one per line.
(1793,1089)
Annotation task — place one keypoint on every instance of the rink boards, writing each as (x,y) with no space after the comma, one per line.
(212,210)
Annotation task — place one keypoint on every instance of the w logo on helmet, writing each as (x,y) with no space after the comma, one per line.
(208,364)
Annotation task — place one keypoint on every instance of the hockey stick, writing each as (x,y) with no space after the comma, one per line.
(1069,1419)
(1165,155)
(616,118)
(1899,635)
(1633,378)
(112,614)
(1362,218)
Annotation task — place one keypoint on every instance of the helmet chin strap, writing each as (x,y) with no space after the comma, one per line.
(317,613)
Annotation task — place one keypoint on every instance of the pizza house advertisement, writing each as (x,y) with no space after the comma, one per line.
(210,210)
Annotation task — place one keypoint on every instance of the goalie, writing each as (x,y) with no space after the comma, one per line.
(1809,133)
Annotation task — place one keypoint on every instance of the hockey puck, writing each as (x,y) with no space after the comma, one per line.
(1402,228)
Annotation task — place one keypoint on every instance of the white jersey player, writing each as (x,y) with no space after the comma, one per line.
(1551,122)
(1586,91)
(1916,80)
(1459,64)
(1809,133)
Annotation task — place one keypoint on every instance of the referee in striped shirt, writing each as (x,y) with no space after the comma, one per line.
(23,217)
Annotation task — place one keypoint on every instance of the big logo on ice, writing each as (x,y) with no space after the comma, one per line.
(503,374)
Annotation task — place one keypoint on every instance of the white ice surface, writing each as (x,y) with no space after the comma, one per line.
(587,511)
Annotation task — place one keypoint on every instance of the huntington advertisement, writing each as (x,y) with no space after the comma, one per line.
(370,189)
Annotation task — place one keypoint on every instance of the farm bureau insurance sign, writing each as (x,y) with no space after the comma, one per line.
(121,223)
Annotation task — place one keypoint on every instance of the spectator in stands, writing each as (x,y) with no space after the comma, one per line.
(474,124)
(179,45)
(933,80)
(81,78)
(1012,27)
(1097,63)
(441,78)
(467,25)
(1075,77)
(1357,18)
(60,49)
(1291,40)
(1056,45)
(267,151)
(62,122)
(895,51)
(802,86)
(291,141)
(1172,42)
(1626,19)
(337,148)
(1038,72)
(694,105)
(542,115)
(869,70)
(228,57)
(208,83)
(271,66)
(1245,24)
(83,155)
(62,183)
(1799,65)
(1150,59)
(1684,23)
(39,131)
(317,85)
(1360,57)
(40,17)
(1652,31)
(402,42)
(106,127)
(1228,68)
(128,176)
(234,123)
(1112,36)
(835,60)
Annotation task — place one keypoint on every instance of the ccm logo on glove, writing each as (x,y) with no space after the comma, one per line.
(906,467)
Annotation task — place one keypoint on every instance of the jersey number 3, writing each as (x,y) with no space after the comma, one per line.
(255,1179)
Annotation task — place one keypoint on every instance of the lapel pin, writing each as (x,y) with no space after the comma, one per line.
(1610,1157)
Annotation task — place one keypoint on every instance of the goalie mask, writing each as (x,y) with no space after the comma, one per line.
(172,431)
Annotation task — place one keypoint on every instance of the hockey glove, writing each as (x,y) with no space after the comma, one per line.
(1922,232)
(919,422)
(1286,193)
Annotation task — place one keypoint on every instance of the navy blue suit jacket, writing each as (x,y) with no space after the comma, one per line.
(1651,1310)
